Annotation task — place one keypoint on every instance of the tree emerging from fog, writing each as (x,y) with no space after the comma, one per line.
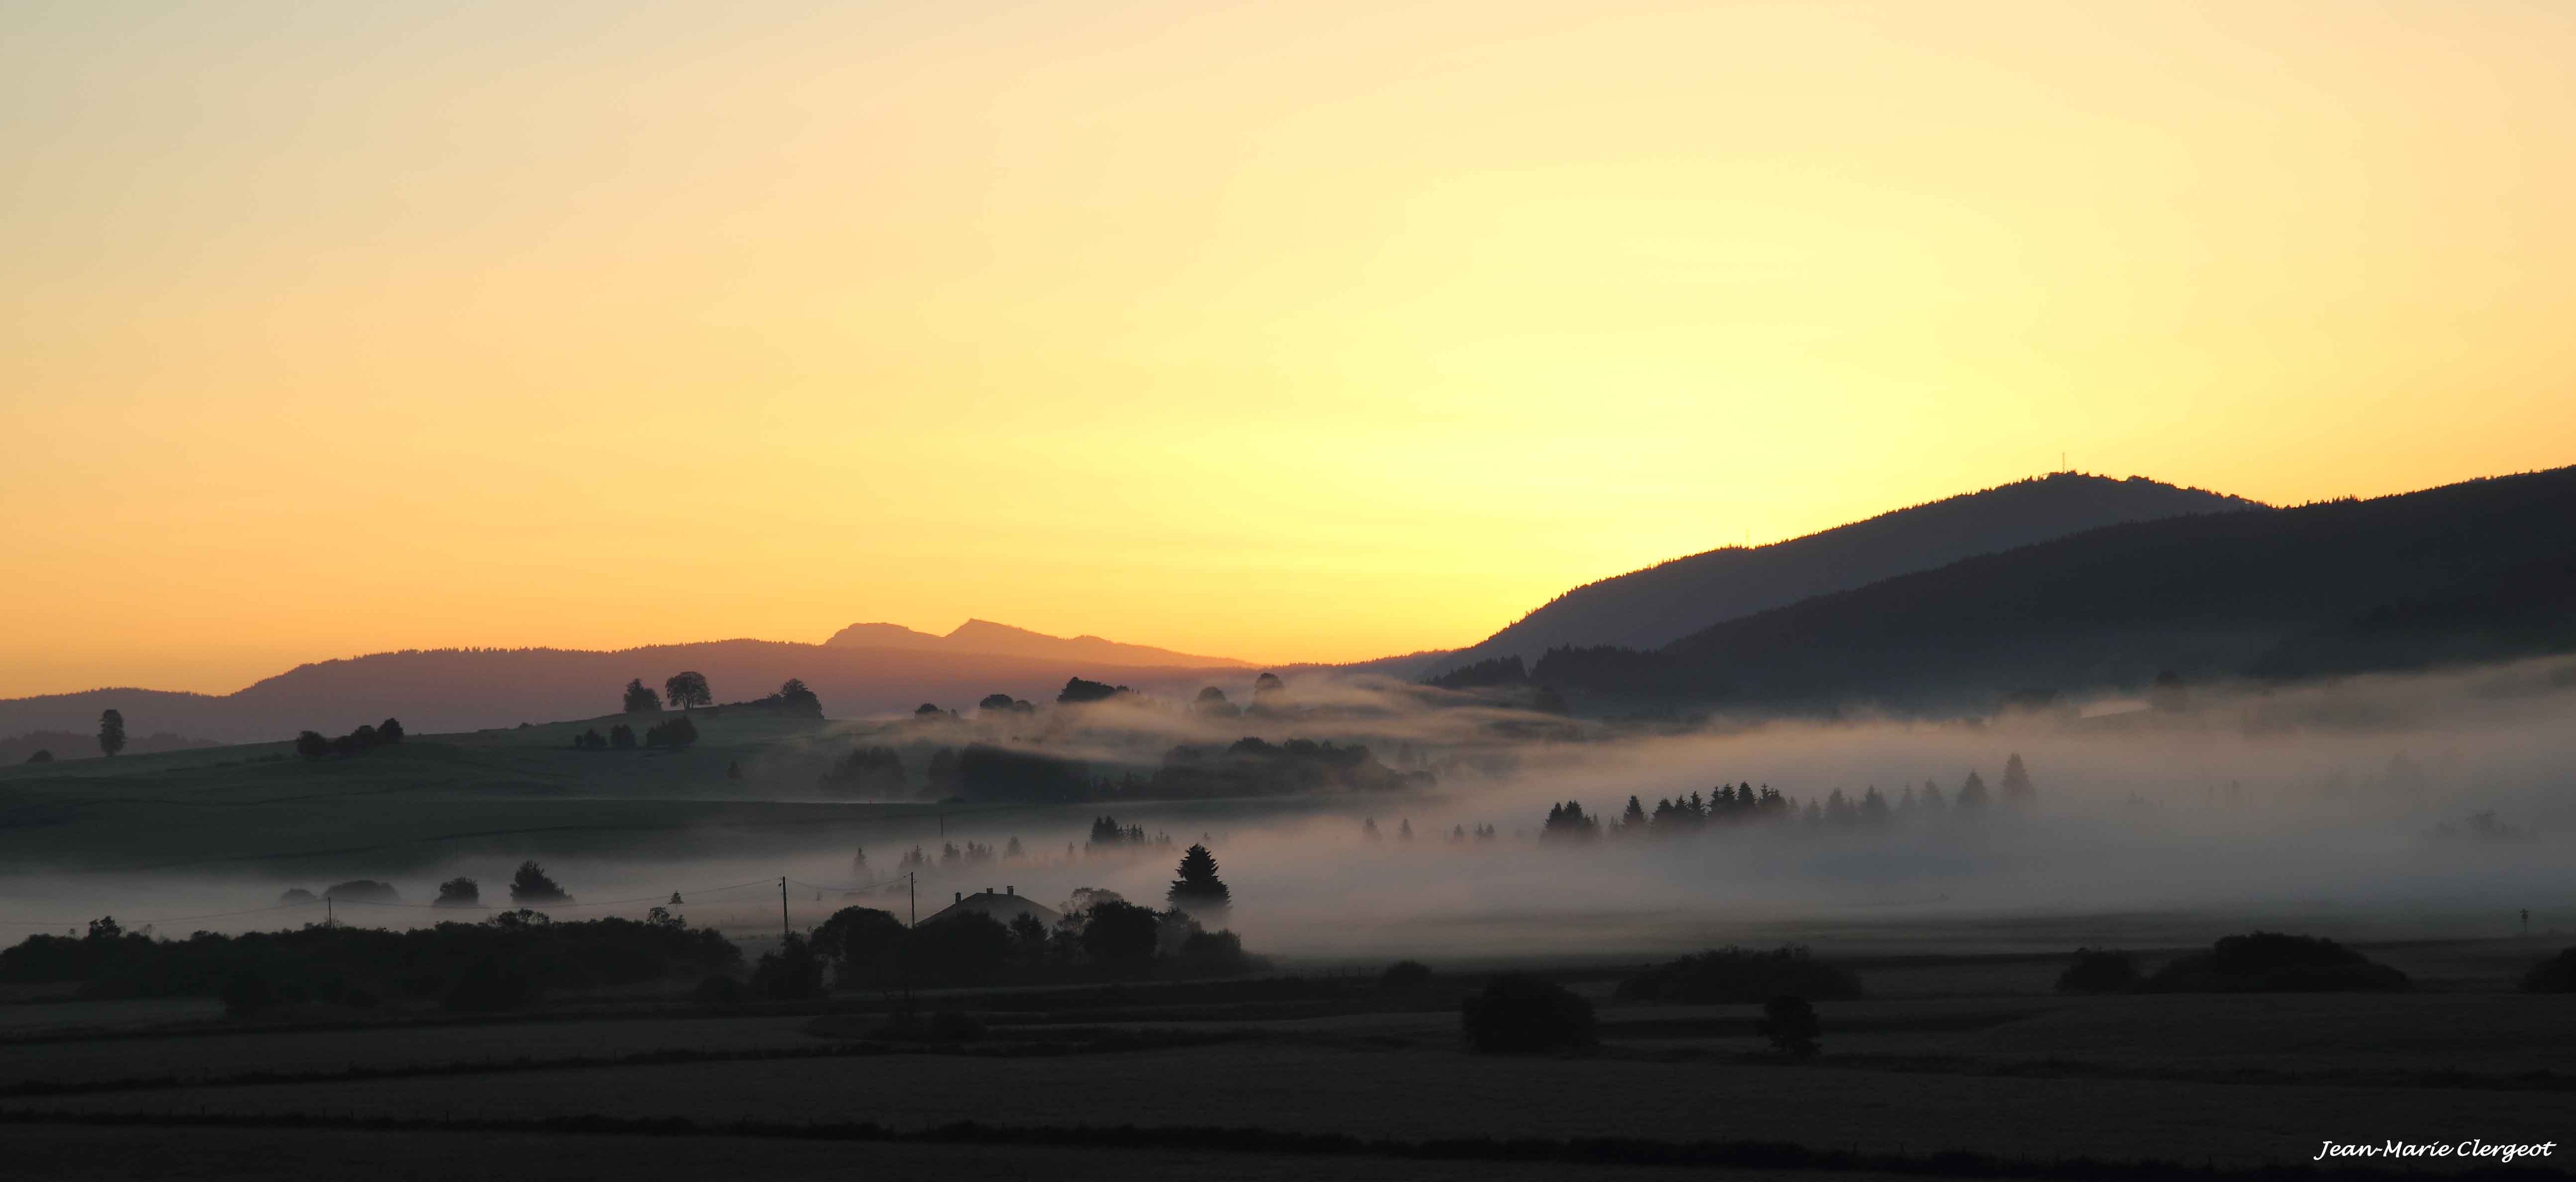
(1198,889)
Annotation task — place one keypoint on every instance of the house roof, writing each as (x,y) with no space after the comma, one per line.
(1004,906)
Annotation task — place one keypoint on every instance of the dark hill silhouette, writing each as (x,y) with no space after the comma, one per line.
(448,690)
(2468,572)
(67,745)
(986,637)
(1665,602)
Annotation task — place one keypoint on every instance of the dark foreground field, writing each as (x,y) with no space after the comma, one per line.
(1961,1067)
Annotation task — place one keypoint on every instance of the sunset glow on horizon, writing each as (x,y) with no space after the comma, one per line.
(1308,332)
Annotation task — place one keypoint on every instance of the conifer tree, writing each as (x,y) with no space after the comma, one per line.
(1198,888)
(2017,786)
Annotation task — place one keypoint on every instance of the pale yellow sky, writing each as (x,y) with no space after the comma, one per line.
(1293,332)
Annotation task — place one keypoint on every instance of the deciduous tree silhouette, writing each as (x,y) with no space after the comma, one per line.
(1790,1023)
(532,885)
(640,698)
(111,732)
(688,688)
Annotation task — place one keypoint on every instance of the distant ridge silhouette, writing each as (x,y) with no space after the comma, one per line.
(1662,603)
(2474,572)
(985,636)
(442,690)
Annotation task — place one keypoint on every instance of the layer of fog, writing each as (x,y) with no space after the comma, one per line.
(2373,807)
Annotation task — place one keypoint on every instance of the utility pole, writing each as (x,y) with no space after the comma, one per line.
(330,915)
(782,911)
(913,896)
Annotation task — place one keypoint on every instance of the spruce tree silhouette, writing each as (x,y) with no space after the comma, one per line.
(1198,888)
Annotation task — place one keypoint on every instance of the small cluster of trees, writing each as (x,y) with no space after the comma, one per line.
(1743,802)
(1567,822)
(620,737)
(1724,805)
(1077,692)
(683,690)
(1107,832)
(1099,934)
(1004,704)
(311,744)
(678,734)
(867,771)
(506,960)
(111,735)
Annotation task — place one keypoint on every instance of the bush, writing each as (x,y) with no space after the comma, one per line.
(2554,975)
(1737,975)
(1404,976)
(717,990)
(1790,1023)
(954,1026)
(1521,1014)
(2097,970)
(2271,962)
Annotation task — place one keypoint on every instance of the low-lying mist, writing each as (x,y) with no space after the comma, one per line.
(2432,804)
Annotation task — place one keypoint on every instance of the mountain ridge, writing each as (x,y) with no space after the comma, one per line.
(1655,605)
(987,637)
(447,690)
(2481,570)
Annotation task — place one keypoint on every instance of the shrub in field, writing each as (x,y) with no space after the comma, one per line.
(1790,1023)
(1518,1013)
(1743,975)
(2097,970)
(2272,962)
(2554,975)
(1404,976)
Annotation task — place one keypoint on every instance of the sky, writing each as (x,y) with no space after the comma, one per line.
(1320,331)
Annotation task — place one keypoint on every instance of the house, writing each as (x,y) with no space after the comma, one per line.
(1004,907)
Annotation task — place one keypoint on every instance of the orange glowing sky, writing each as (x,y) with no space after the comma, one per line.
(1285,331)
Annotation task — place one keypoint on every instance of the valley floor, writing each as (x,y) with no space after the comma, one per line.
(1972,1056)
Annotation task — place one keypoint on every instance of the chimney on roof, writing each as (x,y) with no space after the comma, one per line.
(961,896)
(1010,890)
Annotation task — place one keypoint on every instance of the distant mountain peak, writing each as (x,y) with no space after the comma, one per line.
(988,637)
